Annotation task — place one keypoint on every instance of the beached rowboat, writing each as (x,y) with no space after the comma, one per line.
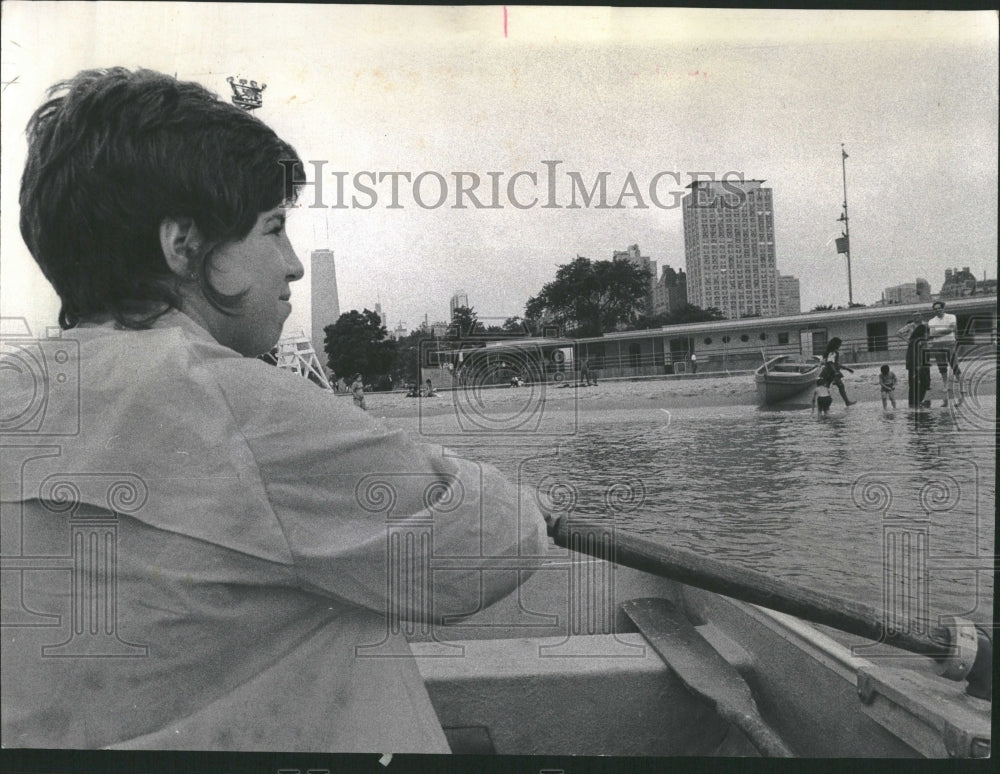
(784,377)
(591,657)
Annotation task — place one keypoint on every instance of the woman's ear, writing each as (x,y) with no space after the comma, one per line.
(181,242)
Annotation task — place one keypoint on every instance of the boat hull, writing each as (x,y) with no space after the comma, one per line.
(558,669)
(782,378)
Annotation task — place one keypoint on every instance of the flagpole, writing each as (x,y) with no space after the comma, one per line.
(847,225)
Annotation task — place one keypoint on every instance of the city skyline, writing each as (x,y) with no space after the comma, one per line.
(629,94)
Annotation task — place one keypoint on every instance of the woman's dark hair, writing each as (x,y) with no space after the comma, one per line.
(833,344)
(114,152)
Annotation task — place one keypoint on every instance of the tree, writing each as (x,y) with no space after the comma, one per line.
(587,298)
(357,343)
(406,364)
(822,307)
(516,325)
(464,323)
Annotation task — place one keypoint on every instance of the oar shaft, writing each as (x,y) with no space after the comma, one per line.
(703,572)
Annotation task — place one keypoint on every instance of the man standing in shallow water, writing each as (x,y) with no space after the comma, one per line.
(942,341)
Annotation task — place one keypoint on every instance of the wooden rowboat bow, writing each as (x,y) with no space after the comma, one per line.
(963,651)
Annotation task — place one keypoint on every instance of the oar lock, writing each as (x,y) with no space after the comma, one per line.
(971,656)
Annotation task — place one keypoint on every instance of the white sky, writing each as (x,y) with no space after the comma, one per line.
(771,94)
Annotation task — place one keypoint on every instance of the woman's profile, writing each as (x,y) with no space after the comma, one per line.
(254,569)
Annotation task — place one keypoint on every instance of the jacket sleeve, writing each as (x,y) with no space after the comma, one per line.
(379,521)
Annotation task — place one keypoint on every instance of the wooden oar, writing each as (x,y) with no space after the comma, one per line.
(693,569)
(700,667)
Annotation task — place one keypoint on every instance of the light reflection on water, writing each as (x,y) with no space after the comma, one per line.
(804,499)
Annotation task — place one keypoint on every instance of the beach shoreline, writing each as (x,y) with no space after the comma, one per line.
(705,391)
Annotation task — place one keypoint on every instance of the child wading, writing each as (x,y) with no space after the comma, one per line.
(887,384)
(821,398)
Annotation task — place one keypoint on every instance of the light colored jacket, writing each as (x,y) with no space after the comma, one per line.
(199,554)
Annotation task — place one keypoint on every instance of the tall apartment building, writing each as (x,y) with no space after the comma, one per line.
(325,302)
(789,300)
(729,248)
(670,292)
(636,258)
(459,299)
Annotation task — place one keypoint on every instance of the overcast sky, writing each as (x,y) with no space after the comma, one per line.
(768,94)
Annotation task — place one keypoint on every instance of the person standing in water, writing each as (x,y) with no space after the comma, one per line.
(832,357)
(887,386)
(942,341)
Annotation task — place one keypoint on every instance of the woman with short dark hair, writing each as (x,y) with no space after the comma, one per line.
(254,600)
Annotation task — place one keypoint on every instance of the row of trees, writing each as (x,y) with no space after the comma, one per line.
(359,343)
(586,298)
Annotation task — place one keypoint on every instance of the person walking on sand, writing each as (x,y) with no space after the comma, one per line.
(887,386)
(358,392)
(942,341)
(694,363)
(832,356)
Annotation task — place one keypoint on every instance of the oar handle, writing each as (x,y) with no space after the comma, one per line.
(693,569)
(760,734)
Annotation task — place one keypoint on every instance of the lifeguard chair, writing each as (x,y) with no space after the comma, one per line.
(295,353)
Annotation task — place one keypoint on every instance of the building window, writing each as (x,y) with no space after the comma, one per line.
(878,337)
(744,338)
(782,338)
(708,339)
(763,337)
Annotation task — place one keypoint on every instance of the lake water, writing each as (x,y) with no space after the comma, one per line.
(824,503)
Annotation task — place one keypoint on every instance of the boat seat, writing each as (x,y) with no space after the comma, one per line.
(470,740)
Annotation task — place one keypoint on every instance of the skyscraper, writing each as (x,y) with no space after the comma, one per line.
(729,248)
(325,303)
(789,300)
(670,293)
(460,298)
(640,261)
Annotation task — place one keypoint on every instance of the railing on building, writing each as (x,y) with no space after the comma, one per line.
(746,356)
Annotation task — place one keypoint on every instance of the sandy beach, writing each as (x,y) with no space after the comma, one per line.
(667,393)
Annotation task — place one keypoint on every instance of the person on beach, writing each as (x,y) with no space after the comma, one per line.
(249,512)
(585,372)
(942,341)
(832,357)
(358,392)
(918,369)
(430,390)
(694,363)
(887,386)
(821,398)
